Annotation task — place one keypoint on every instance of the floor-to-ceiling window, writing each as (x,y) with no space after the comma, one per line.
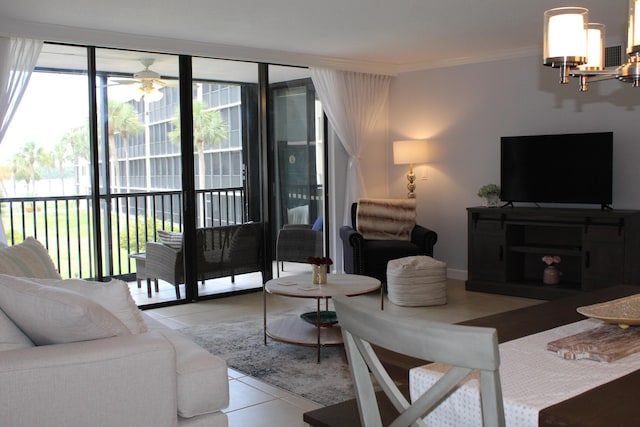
(135,156)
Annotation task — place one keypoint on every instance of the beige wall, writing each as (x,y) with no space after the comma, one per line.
(465,110)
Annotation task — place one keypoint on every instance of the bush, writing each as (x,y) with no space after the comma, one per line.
(129,242)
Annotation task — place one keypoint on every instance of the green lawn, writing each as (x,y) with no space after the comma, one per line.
(67,232)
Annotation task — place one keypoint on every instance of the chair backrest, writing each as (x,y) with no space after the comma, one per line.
(466,348)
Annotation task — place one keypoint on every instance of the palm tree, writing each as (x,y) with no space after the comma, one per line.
(60,155)
(30,155)
(47,162)
(209,129)
(20,171)
(122,119)
(78,140)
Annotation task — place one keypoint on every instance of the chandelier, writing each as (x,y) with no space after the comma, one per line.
(576,46)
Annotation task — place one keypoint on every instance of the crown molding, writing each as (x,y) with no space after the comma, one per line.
(111,39)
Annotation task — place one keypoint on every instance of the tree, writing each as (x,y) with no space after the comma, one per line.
(78,140)
(47,162)
(19,171)
(30,154)
(124,120)
(209,129)
(60,155)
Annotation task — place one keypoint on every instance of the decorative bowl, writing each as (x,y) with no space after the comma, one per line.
(327,318)
(623,311)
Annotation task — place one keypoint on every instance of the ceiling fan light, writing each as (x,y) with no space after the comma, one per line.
(565,36)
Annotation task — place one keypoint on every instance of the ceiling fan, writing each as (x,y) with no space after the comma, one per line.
(145,82)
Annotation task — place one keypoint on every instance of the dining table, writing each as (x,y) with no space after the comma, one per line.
(563,388)
(612,403)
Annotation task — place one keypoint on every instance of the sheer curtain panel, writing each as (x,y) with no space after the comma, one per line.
(18,58)
(354,103)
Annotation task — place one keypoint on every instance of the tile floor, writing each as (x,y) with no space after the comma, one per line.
(257,404)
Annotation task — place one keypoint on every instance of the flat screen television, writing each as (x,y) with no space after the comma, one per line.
(568,168)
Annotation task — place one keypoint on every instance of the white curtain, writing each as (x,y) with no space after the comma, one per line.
(18,58)
(354,103)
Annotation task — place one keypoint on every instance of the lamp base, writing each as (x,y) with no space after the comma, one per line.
(411,186)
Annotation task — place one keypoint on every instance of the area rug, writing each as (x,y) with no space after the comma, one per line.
(291,367)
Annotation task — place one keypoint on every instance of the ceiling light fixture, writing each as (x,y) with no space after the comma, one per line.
(576,46)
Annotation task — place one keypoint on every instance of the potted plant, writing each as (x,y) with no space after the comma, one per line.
(491,195)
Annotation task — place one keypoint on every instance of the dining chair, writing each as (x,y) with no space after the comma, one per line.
(465,348)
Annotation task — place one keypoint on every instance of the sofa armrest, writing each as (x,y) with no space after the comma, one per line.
(352,250)
(127,380)
(424,238)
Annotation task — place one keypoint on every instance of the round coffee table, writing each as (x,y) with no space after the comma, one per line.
(295,330)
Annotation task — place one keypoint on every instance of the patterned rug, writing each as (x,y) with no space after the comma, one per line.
(291,367)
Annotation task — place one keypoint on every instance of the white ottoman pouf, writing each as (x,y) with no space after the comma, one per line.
(417,281)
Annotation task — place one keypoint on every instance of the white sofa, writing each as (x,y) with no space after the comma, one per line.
(131,371)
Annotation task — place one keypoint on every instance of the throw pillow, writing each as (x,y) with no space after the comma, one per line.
(386,219)
(317,225)
(11,337)
(28,259)
(114,296)
(170,238)
(50,315)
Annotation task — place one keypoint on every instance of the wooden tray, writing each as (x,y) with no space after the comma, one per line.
(603,344)
(623,311)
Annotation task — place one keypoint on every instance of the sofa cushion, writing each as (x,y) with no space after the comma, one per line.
(114,296)
(28,259)
(170,238)
(11,337)
(50,315)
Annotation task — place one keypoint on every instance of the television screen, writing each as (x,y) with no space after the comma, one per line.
(568,168)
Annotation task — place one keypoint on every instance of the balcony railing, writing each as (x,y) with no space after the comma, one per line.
(64,224)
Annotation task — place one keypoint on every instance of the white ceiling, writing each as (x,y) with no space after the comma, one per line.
(376,35)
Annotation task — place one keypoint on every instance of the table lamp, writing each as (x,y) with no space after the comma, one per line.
(410,152)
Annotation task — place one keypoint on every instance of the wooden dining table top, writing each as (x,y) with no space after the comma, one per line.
(613,403)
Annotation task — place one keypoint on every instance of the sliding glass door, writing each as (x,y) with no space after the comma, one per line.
(297,138)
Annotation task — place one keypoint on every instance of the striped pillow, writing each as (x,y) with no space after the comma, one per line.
(170,238)
(28,259)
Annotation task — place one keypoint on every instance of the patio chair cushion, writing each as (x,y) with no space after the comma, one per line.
(28,259)
(113,295)
(172,239)
(50,315)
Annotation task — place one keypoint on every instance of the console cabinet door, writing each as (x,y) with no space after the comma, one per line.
(603,257)
(486,251)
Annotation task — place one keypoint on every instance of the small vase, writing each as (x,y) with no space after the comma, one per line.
(319,274)
(551,275)
(492,200)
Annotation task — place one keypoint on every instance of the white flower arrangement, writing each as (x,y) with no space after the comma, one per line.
(489,189)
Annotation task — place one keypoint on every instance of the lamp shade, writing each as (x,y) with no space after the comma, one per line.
(565,35)
(412,151)
(633,41)
(595,47)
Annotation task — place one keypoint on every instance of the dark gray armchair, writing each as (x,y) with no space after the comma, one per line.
(221,252)
(296,243)
(370,257)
